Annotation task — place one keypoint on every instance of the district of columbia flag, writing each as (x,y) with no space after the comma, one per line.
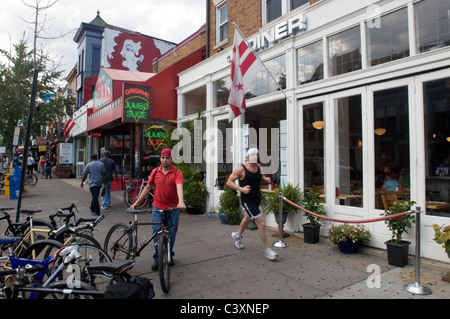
(68,129)
(245,65)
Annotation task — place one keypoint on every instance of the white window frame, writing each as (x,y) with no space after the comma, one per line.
(219,7)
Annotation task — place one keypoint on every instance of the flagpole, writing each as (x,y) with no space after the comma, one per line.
(262,62)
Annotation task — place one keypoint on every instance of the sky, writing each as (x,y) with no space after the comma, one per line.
(171,20)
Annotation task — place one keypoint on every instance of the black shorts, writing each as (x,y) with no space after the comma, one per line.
(252,209)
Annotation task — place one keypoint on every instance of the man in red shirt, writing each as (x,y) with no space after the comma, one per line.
(168,181)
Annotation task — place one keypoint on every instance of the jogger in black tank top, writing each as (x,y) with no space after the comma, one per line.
(250,177)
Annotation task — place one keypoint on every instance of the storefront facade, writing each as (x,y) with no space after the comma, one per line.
(368,90)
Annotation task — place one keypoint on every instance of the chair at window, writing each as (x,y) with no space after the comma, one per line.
(318,189)
(388,200)
(400,194)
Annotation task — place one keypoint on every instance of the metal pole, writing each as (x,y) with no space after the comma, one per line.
(416,287)
(280,243)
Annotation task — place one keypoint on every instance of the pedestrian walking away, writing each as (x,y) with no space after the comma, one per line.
(97,177)
(110,169)
(168,182)
(48,168)
(250,178)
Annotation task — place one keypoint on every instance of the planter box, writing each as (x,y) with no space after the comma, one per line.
(311,233)
(348,247)
(397,253)
(277,217)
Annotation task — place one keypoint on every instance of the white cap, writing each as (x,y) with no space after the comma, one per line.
(252,151)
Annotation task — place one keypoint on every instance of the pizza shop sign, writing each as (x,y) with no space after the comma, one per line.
(136,103)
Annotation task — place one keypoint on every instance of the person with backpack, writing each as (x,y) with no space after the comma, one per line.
(168,182)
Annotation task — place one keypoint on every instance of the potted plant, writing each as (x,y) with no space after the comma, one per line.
(194,191)
(348,237)
(313,203)
(442,236)
(272,204)
(229,207)
(397,248)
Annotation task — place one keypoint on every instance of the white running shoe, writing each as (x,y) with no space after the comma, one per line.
(237,240)
(271,254)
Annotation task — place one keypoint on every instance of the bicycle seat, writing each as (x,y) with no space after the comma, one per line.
(138,211)
(2,208)
(114,267)
(29,211)
(8,239)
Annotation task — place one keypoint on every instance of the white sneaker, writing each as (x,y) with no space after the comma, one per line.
(237,240)
(271,254)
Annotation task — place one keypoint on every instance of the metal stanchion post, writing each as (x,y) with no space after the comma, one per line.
(280,243)
(416,287)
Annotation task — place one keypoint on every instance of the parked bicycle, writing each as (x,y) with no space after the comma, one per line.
(26,230)
(80,228)
(120,243)
(98,280)
(31,179)
(132,193)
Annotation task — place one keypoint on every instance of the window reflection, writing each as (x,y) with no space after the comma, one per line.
(349,146)
(313,146)
(432,24)
(392,160)
(389,42)
(344,51)
(310,63)
(437,146)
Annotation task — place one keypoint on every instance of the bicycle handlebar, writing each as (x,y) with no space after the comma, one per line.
(33,269)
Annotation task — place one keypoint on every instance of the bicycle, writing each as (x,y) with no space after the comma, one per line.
(76,229)
(16,282)
(120,244)
(31,179)
(132,193)
(31,272)
(26,230)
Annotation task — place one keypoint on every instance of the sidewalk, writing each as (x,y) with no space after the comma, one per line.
(209,266)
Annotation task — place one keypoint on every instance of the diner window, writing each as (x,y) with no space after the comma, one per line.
(195,101)
(310,62)
(389,41)
(264,83)
(222,91)
(313,147)
(437,146)
(222,23)
(391,136)
(432,18)
(348,137)
(274,9)
(344,51)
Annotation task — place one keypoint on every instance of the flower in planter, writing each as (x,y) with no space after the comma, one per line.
(442,236)
(344,232)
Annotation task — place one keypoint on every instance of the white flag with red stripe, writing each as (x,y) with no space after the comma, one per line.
(68,129)
(245,65)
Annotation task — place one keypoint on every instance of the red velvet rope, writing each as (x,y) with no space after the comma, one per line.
(361,221)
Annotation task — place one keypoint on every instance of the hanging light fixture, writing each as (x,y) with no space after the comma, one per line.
(318,125)
(380,131)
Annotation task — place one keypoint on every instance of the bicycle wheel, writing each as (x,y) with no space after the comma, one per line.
(92,254)
(72,290)
(163,262)
(41,250)
(119,242)
(132,195)
(79,238)
(31,179)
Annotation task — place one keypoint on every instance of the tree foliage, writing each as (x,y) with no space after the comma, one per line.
(16,77)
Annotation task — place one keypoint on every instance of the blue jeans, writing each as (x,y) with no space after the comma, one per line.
(171,218)
(106,200)
(95,205)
